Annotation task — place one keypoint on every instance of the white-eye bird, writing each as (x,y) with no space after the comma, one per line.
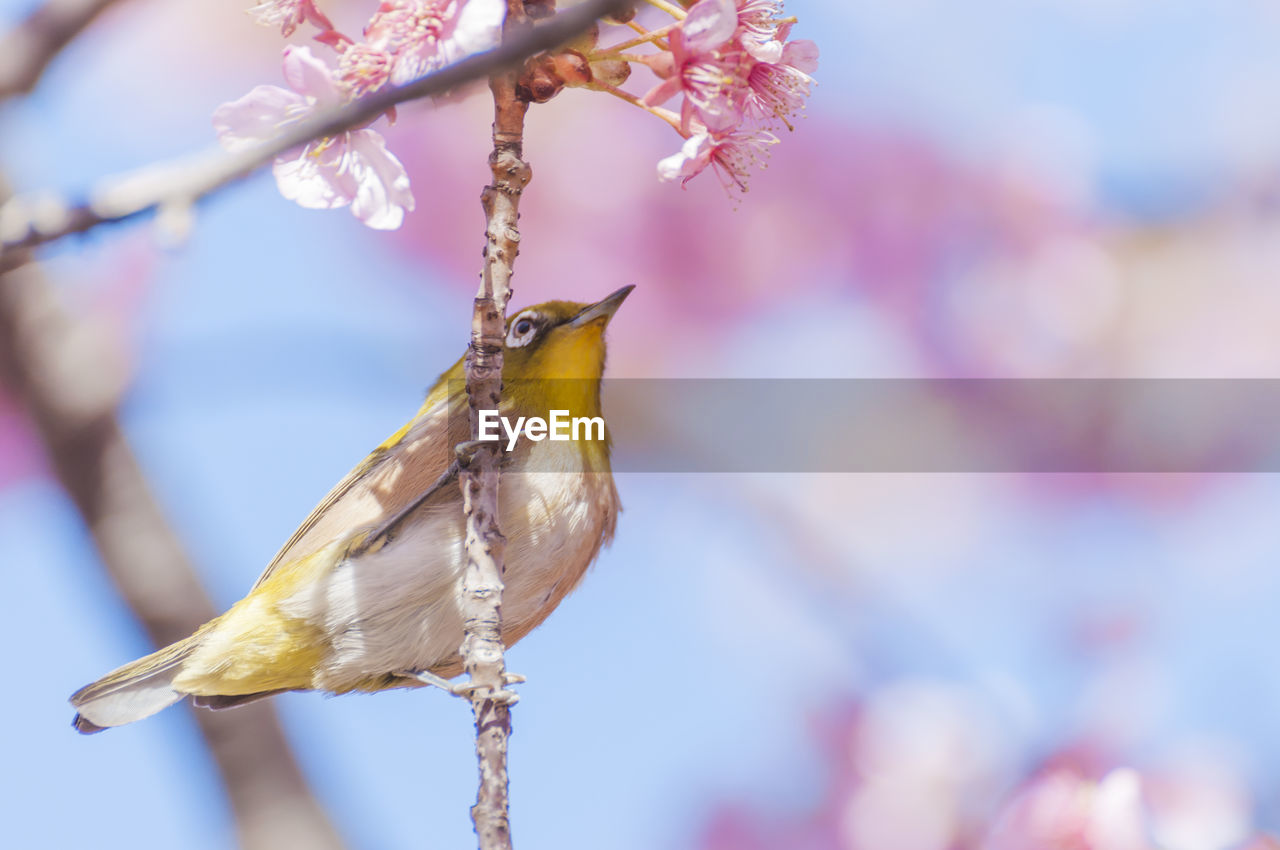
(366,591)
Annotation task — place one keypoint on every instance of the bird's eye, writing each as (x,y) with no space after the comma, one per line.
(523,330)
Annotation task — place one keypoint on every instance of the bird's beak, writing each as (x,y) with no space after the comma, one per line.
(601,310)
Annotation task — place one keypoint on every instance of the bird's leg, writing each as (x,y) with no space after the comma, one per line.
(467,689)
(428,678)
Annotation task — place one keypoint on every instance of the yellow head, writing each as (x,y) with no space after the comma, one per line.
(553,360)
(555,355)
(559,340)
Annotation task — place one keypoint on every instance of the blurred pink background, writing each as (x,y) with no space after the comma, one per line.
(871,662)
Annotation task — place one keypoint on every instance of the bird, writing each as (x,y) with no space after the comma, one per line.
(364,596)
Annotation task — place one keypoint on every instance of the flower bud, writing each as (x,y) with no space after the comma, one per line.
(571,67)
(546,74)
(610,72)
(539,82)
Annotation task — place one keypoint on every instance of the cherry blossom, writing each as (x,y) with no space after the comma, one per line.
(733,63)
(1063,811)
(363,69)
(778,88)
(709,25)
(713,80)
(732,155)
(353,168)
(757,30)
(288,14)
(729,61)
(423,35)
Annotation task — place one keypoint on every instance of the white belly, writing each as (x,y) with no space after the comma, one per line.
(397,608)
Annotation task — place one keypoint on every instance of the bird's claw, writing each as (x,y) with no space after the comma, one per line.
(503,695)
(465,451)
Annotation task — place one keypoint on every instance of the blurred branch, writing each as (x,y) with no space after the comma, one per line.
(176,185)
(69,390)
(27,49)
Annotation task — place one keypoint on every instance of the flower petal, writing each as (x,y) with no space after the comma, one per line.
(383,195)
(319,178)
(693,157)
(801,54)
(710,23)
(310,76)
(662,92)
(764,51)
(255,117)
(479,27)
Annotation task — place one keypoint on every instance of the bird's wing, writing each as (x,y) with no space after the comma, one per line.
(398,473)
(443,491)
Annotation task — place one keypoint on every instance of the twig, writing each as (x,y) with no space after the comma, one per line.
(646,37)
(665,114)
(670,8)
(482,648)
(70,393)
(27,49)
(41,218)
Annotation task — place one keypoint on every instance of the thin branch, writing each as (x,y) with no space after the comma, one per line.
(482,647)
(28,49)
(70,391)
(646,37)
(177,184)
(665,114)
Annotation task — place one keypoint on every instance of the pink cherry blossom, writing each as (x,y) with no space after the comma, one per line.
(778,89)
(758,28)
(288,14)
(709,25)
(1063,811)
(731,154)
(363,69)
(353,168)
(423,35)
(732,61)
(693,157)
(713,80)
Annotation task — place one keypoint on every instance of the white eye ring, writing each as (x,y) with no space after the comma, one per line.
(524,328)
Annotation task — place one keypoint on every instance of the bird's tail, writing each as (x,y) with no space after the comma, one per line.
(134,691)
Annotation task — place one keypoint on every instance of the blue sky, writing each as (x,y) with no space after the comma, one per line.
(277,346)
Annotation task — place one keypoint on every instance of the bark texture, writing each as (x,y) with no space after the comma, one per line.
(482,648)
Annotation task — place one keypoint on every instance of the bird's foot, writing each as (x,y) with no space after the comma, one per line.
(465,451)
(469,689)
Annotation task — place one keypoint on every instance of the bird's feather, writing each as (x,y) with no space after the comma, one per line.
(368,586)
(134,691)
(403,468)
